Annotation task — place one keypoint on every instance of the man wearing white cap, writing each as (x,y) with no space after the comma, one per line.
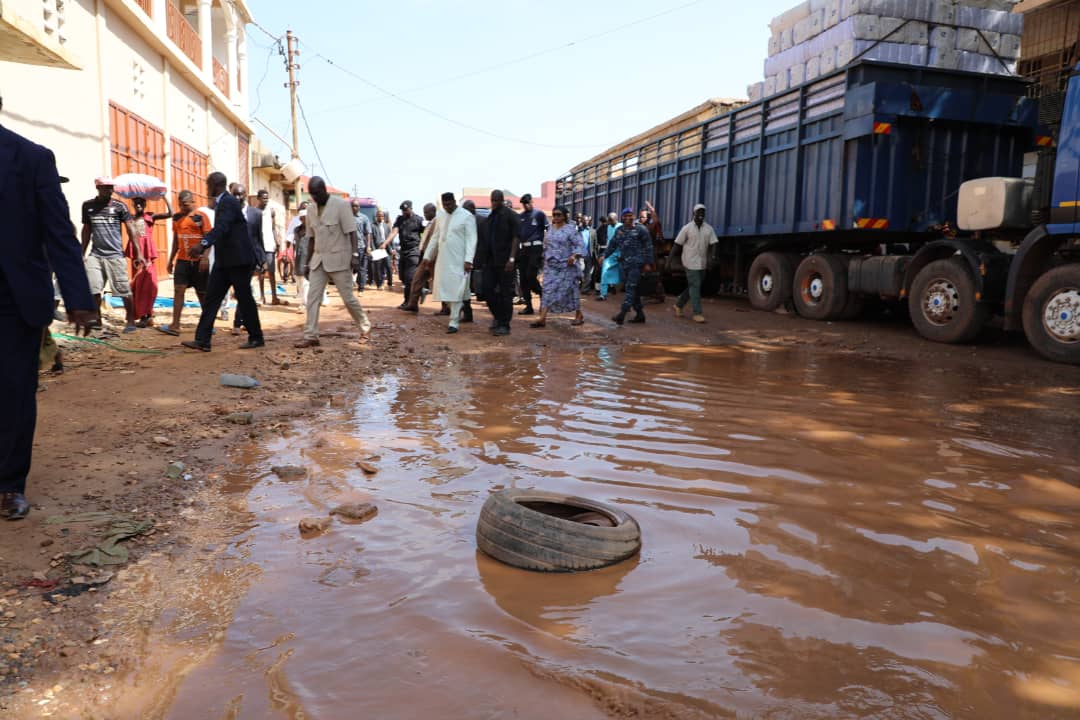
(102,218)
(694,241)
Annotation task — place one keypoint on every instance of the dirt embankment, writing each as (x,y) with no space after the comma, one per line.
(72,633)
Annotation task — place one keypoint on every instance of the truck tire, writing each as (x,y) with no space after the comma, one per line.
(548,532)
(1052,315)
(820,287)
(943,305)
(770,281)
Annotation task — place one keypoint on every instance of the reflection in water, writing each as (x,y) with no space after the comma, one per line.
(558,606)
(823,538)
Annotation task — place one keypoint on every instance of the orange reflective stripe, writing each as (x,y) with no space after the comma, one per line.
(872,223)
(828,225)
(882,128)
(1044,141)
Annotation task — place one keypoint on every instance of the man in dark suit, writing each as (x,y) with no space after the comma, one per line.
(38,235)
(234,260)
(496,256)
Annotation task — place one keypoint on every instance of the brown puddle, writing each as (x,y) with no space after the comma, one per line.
(823,538)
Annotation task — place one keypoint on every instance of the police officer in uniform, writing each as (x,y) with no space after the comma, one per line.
(530,255)
(635,246)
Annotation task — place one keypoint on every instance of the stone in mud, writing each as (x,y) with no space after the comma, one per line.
(289,472)
(175,470)
(355,511)
(312,526)
(240,418)
(367,467)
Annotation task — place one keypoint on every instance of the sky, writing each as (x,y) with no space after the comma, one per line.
(490,94)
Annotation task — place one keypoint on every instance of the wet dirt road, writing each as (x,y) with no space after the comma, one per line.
(823,538)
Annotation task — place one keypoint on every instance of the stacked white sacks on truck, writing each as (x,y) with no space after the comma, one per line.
(817,37)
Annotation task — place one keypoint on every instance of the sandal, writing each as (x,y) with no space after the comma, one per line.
(167,329)
(538,324)
(577,323)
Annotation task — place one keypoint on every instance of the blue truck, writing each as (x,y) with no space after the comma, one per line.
(879,182)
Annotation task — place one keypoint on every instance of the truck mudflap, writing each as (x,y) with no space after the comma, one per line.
(985,262)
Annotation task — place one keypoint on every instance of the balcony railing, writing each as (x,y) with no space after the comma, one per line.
(221,78)
(181,33)
(146,6)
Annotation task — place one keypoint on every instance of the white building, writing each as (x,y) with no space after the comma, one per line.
(112,86)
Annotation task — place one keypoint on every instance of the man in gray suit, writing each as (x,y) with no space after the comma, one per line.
(331,256)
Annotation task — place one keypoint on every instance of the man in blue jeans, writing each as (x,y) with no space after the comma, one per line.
(694,241)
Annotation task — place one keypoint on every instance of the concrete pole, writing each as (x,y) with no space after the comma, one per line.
(240,98)
(231,64)
(206,35)
(291,44)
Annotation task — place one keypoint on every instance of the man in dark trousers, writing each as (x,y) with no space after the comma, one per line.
(39,240)
(497,259)
(408,228)
(530,256)
(235,259)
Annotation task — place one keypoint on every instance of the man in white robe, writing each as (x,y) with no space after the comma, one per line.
(452,249)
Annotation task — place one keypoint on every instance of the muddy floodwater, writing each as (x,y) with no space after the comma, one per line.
(824,537)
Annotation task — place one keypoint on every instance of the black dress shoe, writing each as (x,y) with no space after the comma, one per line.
(252,344)
(13,506)
(619,318)
(527,311)
(501,331)
(195,346)
(451,330)
(638,318)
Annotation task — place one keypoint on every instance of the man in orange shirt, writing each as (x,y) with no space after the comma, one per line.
(189,228)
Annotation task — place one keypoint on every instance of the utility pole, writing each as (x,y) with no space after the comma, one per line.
(293,52)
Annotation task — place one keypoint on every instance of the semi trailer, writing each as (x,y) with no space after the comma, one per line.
(879,181)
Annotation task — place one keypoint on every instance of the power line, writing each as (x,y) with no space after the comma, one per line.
(311,137)
(524,58)
(445,118)
(266,71)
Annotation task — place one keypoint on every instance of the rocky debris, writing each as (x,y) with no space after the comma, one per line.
(355,511)
(162,440)
(290,472)
(367,467)
(314,526)
(245,382)
(240,418)
(175,470)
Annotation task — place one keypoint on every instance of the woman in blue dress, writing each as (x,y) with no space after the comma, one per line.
(562,276)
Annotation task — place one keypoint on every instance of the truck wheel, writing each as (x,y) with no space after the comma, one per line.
(1052,315)
(820,287)
(943,305)
(769,284)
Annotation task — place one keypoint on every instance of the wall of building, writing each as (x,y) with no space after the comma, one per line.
(132,71)
(68,110)
(223,150)
(59,108)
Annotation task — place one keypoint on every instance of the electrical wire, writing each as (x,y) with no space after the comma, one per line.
(446,118)
(524,58)
(266,71)
(311,137)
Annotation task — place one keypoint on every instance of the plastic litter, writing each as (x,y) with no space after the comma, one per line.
(245,382)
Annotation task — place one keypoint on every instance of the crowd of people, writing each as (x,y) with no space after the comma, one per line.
(451,253)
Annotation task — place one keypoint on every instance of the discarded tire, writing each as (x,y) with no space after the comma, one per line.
(548,532)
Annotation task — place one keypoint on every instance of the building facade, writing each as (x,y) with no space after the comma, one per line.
(114,86)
